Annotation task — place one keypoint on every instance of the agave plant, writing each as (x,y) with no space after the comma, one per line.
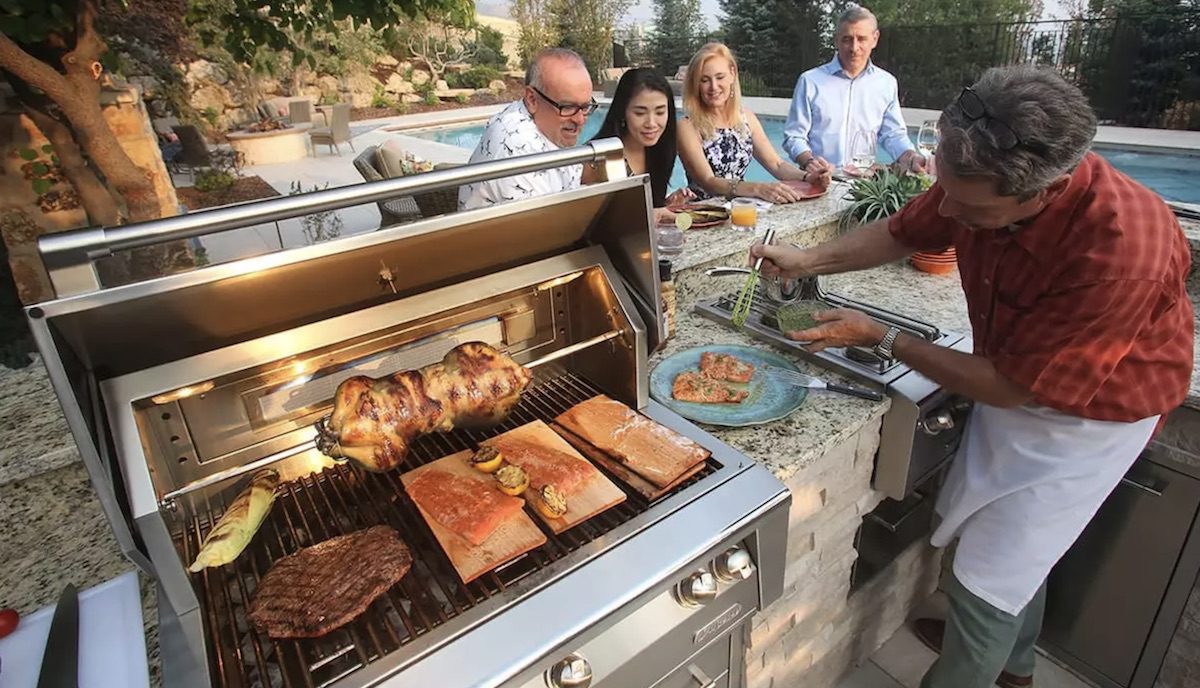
(876,197)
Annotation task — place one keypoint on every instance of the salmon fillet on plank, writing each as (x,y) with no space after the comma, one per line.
(651,450)
(725,367)
(701,389)
(471,508)
(545,465)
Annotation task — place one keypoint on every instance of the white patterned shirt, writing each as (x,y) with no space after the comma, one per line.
(509,134)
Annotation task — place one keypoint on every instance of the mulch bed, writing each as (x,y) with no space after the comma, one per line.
(244,189)
(514,91)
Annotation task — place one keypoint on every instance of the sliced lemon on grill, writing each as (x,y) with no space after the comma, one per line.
(683,221)
(487,459)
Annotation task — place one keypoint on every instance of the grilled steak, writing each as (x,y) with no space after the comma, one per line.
(323,587)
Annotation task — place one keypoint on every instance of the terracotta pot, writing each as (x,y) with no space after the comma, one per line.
(936,263)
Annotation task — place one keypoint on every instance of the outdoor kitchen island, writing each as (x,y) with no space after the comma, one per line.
(823,452)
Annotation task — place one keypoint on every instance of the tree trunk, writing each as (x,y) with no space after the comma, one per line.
(99,204)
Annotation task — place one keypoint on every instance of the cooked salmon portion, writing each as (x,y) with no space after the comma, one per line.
(696,387)
(545,465)
(725,367)
(472,508)
(653,451)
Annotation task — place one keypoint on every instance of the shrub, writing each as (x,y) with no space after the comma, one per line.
(489,47)
(461,98)
(431,98)
(211,180)
(381,99)
(878,196)
(210,115)
(753,85)
(478,76)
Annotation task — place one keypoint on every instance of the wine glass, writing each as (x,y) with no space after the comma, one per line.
(927,138)
(862,151)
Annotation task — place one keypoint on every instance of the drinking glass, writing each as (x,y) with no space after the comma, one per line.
(862,151)
(927,138)
(670,239)
(743,214)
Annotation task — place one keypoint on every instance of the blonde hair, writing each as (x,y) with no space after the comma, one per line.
(693,103)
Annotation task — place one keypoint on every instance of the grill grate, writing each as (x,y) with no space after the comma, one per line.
(342,500)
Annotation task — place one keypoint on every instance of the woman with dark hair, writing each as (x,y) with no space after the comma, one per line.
(642,115)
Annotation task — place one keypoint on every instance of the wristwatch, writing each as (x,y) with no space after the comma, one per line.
(884,348)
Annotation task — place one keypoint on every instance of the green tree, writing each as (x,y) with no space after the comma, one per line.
(775,40)
(538,27)
(679,31)
(586,26)
(51,51)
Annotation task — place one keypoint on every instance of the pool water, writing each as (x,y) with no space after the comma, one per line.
(1172,176)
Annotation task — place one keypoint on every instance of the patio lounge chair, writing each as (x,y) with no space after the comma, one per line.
(374,165)
(337,133)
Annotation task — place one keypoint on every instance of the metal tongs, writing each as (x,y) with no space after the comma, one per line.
(745,299)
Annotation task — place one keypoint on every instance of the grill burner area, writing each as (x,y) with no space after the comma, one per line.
(342,500)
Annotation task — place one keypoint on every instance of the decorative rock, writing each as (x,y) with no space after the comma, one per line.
(410,98)
(148,85)
(269,85)
(441,85)
(420,77)
(212,96)
(388,61)
(403,66)
(397,84)
(360,88)
(497,86)
(457,67)
(203,70)
(328,85)
(452,93)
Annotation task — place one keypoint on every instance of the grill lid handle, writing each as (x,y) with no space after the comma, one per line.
(68,256)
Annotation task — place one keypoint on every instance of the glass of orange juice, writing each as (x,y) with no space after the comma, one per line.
(743,214)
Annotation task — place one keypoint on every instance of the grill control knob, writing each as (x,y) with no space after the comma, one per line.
(572,671)
(733,564)
(696,590)
(937,422)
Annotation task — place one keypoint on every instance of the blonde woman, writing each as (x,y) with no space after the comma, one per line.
(717,139)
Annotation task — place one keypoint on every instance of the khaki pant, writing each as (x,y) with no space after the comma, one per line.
(981,641)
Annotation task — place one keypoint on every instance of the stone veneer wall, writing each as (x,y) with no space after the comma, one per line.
(814,634)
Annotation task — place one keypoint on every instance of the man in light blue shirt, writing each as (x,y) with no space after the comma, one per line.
(834,102)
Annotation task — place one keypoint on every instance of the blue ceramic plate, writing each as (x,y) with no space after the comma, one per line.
(769,398)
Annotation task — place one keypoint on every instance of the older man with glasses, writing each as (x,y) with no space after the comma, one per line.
(1074,276)
(556,104)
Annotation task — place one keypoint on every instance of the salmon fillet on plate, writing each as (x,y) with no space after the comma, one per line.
(725,367)
(699,388)
(470,508)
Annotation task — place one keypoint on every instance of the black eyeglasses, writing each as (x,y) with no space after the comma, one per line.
(568,109)
(974,109)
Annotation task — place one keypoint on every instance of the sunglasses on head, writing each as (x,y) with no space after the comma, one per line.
(975,110)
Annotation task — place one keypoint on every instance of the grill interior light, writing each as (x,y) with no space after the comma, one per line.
(183,393)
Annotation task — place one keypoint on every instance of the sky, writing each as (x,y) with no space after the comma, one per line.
(642,11)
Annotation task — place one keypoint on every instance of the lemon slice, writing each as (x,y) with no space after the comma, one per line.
(683,221)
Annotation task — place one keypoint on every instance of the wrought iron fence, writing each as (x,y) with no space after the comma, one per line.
(1141,71)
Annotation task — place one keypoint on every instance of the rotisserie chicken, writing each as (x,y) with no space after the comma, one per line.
(375,419)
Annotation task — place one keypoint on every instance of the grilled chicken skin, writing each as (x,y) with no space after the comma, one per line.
(374,420)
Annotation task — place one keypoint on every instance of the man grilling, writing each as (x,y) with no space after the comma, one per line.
(1074,281)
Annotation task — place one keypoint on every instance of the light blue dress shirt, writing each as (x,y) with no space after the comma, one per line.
(828,107)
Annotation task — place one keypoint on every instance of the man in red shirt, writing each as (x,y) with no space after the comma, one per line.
(1074,281)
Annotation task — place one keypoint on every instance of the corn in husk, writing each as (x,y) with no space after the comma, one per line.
(238,524)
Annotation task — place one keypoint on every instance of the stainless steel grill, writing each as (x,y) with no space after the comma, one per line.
(342,500)
(211,374)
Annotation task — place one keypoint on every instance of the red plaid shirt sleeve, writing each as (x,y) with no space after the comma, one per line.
(918,225)
(1067,348)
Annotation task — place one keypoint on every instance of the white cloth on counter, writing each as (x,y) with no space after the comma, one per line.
(512,133)
(1024,485)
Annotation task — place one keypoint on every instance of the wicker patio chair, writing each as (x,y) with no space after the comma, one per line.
(393,211)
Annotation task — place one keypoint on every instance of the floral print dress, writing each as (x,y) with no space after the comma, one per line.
(729,152)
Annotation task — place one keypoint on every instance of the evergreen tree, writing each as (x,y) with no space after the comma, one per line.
(679,31)
(775,41)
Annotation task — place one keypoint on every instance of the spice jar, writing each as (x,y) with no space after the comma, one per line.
(667,286)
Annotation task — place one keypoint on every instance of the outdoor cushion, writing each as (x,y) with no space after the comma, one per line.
(393,160)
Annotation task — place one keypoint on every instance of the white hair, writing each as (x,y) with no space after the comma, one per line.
(856,13)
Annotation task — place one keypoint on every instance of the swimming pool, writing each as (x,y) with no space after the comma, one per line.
(1172,176)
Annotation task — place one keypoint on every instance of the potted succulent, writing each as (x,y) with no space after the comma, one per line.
(882,194)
